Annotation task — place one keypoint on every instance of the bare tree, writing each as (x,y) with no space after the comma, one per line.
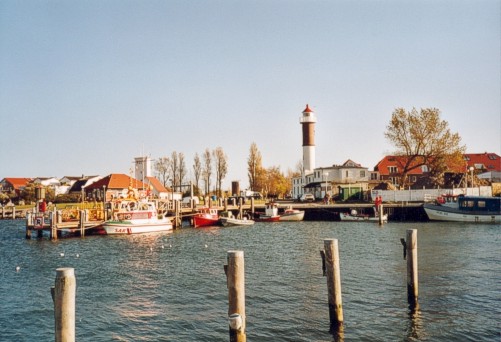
(163,169)
(207,170)
(221,167)
(254,167)
(423,139)
(175,169)
(197,171)
(181,169)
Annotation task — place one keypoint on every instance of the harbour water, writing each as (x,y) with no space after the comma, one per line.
(172,287)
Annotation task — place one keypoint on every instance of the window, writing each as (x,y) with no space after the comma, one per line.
(346,174)
(481,204)
(392,169)
(466,158)
(424,168)
(492,157)
(362,173)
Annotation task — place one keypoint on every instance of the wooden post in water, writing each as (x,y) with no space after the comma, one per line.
(412,266)
(63,296)
(82,222)
(29,222)
(225,204)
(333,282)
(235,277)
(13,213)
(380,211)
(3,212)
(252,206)
(240,204)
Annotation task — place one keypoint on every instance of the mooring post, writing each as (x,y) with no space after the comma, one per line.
(240,204)
(225,204)
(82,223)
(412,266)
(235,278)
(29,222)
(380,212)
(14,213)
(63,296)
(252,205)
(333,274)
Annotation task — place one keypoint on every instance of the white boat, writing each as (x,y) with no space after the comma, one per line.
(292,215)
(227,219)
(131,216)
(355,216)
(460,208)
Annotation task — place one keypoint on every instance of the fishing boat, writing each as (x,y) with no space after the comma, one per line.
(353,215)
(270,213)
(460,208)
(227,219)
(206,217)
(292,215)
(131,216)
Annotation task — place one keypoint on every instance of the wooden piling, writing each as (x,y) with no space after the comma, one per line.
(63,296)
(380,212)
(333,282)
(240,205)
(253,208)
(235,277)
(82,220)
(412,266)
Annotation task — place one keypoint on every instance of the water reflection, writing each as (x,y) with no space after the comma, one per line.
(415,327)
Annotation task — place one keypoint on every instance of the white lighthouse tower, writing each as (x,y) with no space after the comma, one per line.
(307,121)
(143,168)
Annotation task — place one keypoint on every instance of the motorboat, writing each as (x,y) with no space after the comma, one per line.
(290,214)
(353,215)
(227,219)
(206,217)
(461,208)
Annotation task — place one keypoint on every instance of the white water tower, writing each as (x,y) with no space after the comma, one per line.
(142,168)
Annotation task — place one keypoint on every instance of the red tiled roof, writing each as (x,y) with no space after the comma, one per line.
(396,161)
(490,161)
(17,182)
(117,181)
(155,183)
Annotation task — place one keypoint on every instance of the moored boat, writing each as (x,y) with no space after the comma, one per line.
(227,219)
(131,216)
(292,215)
(460,208)
(270,213)
(206,217)
(353,215)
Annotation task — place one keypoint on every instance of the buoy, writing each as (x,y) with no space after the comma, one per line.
(78,255)
(18,268)
(205,246)
(61,254)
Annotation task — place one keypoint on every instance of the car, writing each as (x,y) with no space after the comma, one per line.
(307,198)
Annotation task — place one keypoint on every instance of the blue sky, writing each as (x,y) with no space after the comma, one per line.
(86,86)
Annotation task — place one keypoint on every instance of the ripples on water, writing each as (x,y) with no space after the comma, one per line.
(172,287)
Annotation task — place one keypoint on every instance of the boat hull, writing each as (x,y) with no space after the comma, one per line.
(440,213)
(127,228)
(361,218)
(297,216)
(229,221)
(199,222)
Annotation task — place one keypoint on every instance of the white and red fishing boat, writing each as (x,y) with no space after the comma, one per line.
(460,208)
(270,213)
(206,217)
(131,216)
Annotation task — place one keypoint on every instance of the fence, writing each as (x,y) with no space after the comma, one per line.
(426,195)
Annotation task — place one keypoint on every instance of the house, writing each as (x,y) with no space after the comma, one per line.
(330,179)
(11,184)
(390,169)
(115,185)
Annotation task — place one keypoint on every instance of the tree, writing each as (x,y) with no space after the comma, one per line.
(221,167)
(254,167)
(423,139)
(174,169)
(207,170)
(197,172)
(162,168)
(181,169)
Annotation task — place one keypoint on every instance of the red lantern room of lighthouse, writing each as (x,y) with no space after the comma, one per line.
(307,121)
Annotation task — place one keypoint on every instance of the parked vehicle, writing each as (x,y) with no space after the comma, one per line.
(307,198)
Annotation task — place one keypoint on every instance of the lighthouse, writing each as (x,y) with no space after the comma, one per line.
(307,121)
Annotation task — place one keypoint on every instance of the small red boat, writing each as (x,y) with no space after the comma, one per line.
(206,217)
